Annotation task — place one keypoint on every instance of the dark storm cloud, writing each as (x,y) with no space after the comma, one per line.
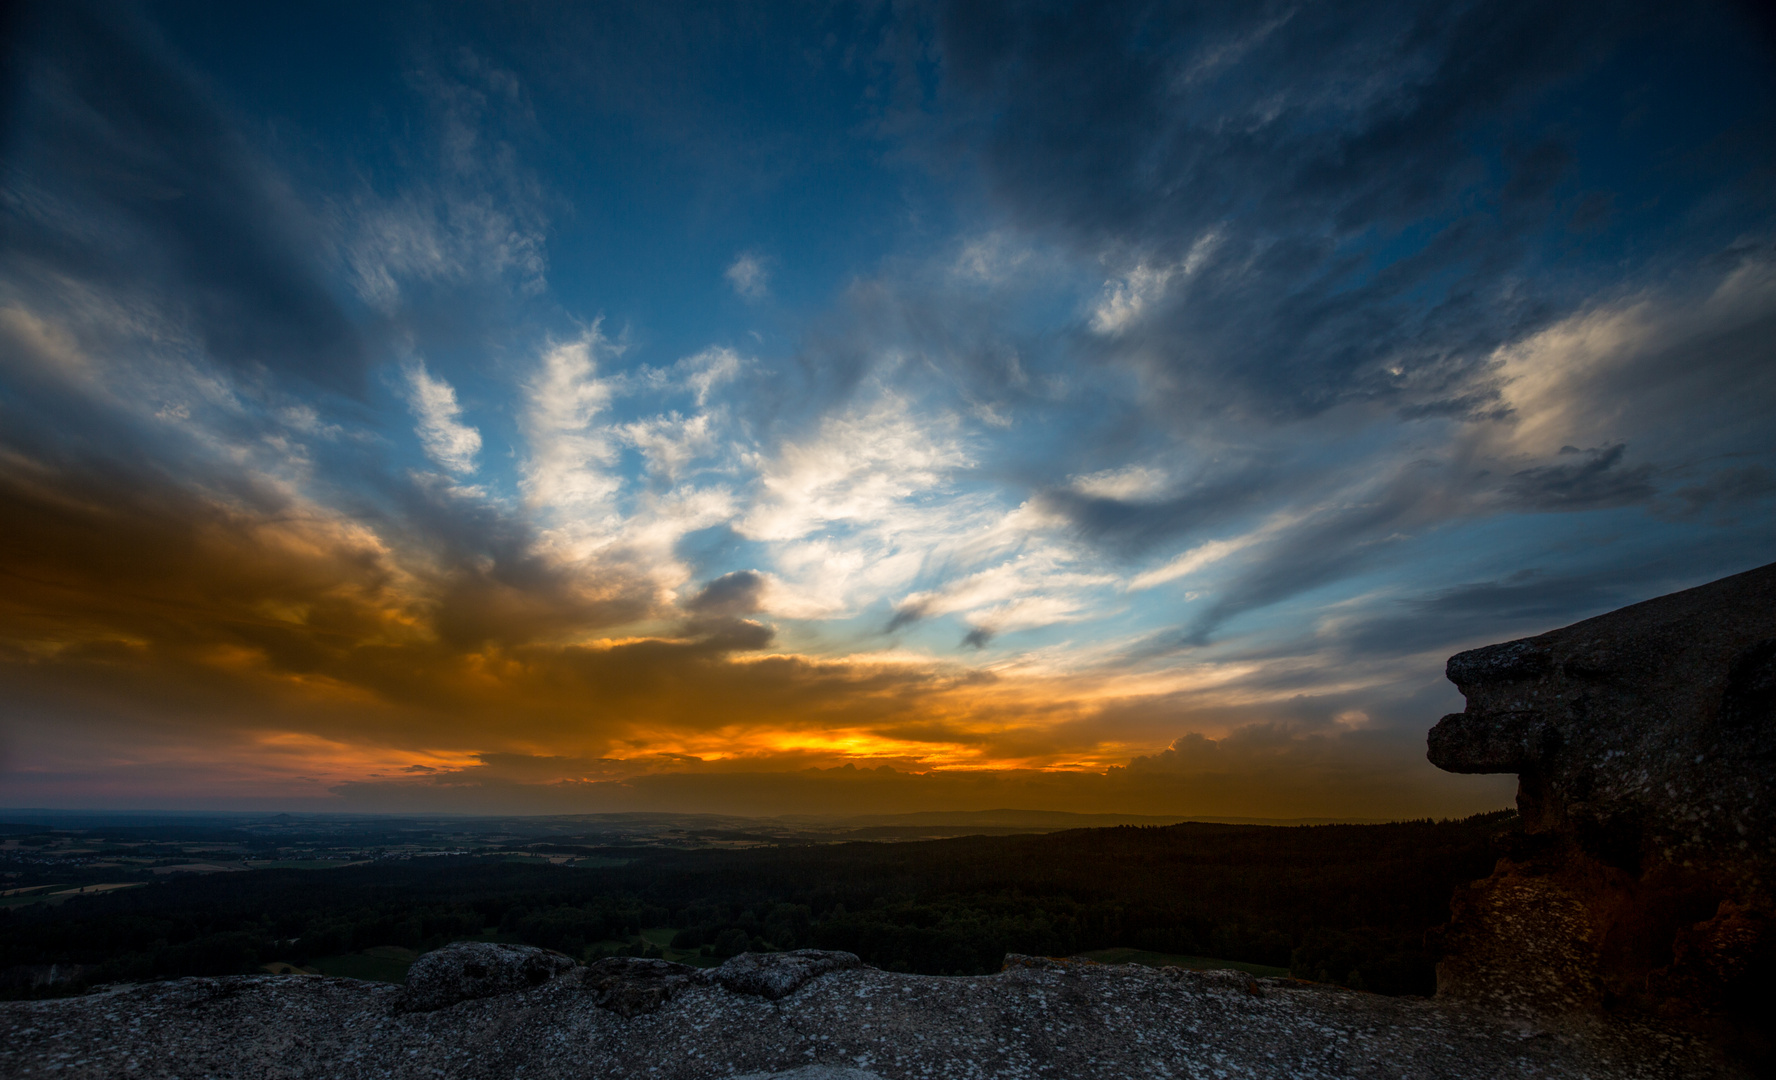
(154,592)
(1307,207)
(1592,481)
(1362,190)
(1134,526)
(731,595)
(123,177)
(1728,488)
(1527,601)
(718,612)
(1327,548)
(494,583)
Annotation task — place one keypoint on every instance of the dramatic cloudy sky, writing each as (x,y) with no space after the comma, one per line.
(854,407)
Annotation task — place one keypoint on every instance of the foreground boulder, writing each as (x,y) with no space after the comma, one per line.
(777,975)
(477,969)
(1645,746)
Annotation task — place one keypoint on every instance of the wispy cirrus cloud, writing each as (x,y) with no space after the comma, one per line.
(447,440)
(749,276)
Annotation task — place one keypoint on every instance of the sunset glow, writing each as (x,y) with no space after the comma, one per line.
(839,410)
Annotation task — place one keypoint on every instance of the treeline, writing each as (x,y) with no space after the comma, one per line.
(1341,903)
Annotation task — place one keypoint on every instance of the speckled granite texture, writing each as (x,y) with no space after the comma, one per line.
(1035,1019)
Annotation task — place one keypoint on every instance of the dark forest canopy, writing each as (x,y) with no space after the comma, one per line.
(1342,903)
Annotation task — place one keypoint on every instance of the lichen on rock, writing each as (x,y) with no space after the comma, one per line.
(477,969)
(777,975)
(630,986)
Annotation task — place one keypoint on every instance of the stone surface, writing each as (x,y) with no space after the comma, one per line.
(776,975)
(630,986)
(1074,1020)
(1645,745)
(477,969)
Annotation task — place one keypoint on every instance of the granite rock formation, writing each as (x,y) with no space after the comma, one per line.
(1645,745)
(629,986)
(477,969)
(1037,1018)
(777,975)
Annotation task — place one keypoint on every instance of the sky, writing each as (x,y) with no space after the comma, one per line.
(844,408)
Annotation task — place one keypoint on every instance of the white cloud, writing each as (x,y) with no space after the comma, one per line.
(1123,303)
(749,276)
(1037,588)
(670,442)
(708,369)
(1656,370)
(1128,482)
(991,259)
(698,374)
(863,466)
(447,440)
(569,466)
(1191,561)
(858,510)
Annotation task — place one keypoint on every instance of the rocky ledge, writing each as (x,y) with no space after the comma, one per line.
(805,1016)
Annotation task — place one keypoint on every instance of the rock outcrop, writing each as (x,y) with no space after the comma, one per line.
(477,969)
(1645,745)
(777,975)
(629,987)
(1037,1018)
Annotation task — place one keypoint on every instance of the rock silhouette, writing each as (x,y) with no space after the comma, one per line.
(1645,745)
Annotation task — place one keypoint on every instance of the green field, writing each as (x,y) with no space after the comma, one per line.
(55,894)
(384,963)
(662,936)
(585,862)
(1194,963)
(302,864)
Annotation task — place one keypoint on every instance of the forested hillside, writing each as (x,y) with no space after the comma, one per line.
(1343,903)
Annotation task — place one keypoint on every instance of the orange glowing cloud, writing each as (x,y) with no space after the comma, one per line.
(261,643)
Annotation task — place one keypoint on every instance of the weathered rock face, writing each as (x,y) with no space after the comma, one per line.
(1038,1018)
(1645,744)
(477,969)
(630,987)
(777,975)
